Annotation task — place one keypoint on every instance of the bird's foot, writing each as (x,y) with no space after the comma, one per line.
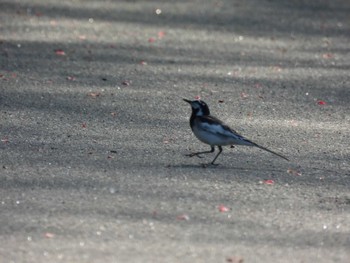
(194,154)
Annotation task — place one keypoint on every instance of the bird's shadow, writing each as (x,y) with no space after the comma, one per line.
(221,167)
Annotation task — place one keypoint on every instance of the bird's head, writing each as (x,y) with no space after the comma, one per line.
(199,107)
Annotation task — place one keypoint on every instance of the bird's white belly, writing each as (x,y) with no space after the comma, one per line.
(212,138)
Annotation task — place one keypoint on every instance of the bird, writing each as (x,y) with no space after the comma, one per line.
(214,132)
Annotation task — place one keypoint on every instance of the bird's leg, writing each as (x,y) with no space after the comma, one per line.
(220,150)
(198,153)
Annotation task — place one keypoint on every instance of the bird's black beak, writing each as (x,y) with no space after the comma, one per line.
(187,101)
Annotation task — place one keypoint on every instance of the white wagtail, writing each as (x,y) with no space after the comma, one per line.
(214,132)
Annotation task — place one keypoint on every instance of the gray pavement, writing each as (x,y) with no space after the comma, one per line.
(94,131)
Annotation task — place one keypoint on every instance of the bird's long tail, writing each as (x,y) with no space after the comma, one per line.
(270,151)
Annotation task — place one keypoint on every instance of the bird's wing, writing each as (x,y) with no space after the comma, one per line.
(215,126)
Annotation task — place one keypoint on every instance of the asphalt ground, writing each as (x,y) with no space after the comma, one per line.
(94,131)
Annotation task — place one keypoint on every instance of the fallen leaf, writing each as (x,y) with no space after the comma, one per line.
(321,102)
(223,209)
(60,52)
(221,101)
(161,34)
(269,182)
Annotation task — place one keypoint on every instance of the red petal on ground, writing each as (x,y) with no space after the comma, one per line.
(269,182)
(143,63)
(151,39)
(60,52)
(83,125)
(223,209)
(161,34)
(321,102)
